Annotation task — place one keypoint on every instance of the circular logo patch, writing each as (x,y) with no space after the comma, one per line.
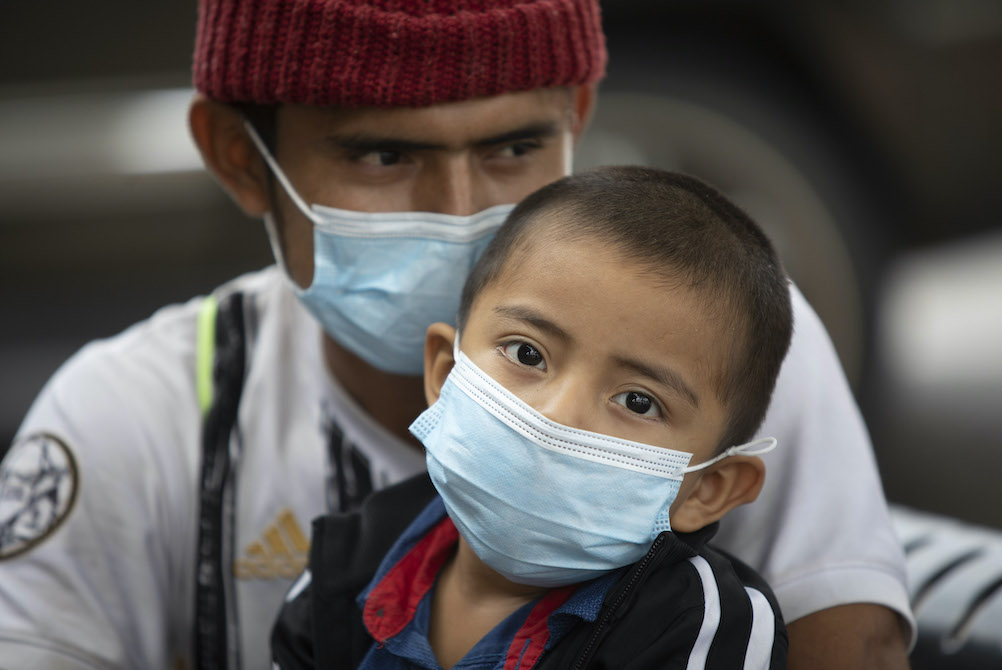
(38,486)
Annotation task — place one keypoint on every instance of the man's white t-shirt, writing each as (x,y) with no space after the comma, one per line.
(99,495)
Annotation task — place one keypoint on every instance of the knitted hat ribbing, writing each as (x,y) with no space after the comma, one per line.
(414,53)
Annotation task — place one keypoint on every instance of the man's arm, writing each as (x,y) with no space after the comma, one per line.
(88,520)
(868,637)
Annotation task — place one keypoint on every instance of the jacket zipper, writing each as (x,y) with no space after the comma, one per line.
(604,621)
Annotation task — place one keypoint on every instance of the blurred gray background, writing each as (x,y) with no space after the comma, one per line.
(866,136)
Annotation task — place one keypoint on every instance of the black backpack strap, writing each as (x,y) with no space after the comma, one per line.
(344,556)
(222,350)
(349,481)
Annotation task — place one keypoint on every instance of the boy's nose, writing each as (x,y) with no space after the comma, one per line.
(567,406)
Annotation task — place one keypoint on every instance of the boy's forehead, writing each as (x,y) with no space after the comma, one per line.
(551,242)
(544,232)
(550,239)
(590,291)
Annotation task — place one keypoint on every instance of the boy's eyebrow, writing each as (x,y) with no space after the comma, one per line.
(534,318)
(364,142)
(662,375)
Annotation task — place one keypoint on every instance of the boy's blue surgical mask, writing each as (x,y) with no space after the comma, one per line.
(541,503)
(380,279)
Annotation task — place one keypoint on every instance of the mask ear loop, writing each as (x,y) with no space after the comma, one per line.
(276,245)
(755,448)
(279,174)
(269,220)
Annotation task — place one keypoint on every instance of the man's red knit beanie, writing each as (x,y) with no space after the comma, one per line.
(414,53)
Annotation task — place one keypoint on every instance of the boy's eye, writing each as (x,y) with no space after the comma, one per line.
(638,402)
(524,353)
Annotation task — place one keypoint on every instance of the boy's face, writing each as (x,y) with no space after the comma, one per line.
(591,340)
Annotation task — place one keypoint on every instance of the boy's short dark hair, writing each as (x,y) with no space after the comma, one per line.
(682,230)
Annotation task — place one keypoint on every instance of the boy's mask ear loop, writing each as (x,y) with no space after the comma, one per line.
(755,448)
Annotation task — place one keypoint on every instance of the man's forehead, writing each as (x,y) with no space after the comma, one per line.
(542,111)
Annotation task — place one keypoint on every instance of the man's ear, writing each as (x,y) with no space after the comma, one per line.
(438,360)
(583,106)
(228,152)
(721,487)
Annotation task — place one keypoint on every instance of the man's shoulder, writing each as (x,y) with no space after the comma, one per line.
(166,341)
(140,382)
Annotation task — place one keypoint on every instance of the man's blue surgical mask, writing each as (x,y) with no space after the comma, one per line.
(539,502)
(380,279)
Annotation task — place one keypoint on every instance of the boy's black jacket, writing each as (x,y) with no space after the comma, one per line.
(650,618)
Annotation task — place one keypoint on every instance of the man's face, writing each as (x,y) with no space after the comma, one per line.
(455,158)
(591,340)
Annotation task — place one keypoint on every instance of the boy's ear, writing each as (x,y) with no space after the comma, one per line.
(721,487)
(228,152)
(438,360)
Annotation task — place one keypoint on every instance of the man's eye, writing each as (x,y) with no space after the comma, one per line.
(524,353)
(379,158)
(640,403)
(517,149)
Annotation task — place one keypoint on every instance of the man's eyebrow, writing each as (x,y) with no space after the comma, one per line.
(364,142)
(662,375)
(531,131)
(533,318)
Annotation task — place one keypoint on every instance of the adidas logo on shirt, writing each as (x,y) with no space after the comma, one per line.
(280,552)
